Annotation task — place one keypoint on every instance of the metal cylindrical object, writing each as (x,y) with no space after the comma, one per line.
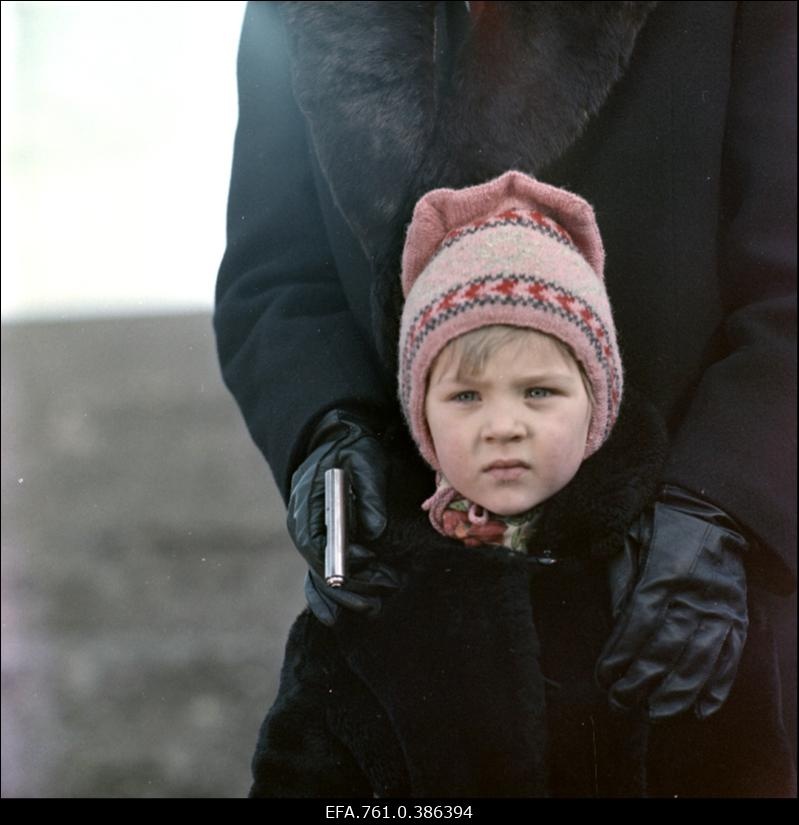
(336,523)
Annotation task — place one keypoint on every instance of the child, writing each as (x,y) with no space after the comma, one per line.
(501,254)
(476,678)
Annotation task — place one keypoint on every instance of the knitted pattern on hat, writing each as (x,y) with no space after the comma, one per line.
(513,251)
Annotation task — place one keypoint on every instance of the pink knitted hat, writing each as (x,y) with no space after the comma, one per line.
(511,251)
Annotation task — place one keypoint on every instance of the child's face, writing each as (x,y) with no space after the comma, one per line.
(514,435)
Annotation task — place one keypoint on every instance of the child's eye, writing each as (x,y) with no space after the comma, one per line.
(465,396)
(538,392)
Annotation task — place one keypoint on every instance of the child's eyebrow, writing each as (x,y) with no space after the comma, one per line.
(546,377)
(533,378)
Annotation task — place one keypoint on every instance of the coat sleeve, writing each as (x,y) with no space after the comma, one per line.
(287,340)
(297,755)
(737,444)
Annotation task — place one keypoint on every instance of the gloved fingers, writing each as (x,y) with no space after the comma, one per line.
(718,687)
(328,600)
(365,574)
(325,610)
(643,673)
(359,556)
(366,466)
(622,575)
(305,518)
(639,612)
(371,584)
(368,605)
(689,674)
(667,589)
(675,544)
(630,634)
(371,577)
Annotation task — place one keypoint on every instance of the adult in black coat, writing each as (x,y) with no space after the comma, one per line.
(676,121)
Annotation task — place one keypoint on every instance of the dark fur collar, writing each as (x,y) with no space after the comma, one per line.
(387,128)
(393,113)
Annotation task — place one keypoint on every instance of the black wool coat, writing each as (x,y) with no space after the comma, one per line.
(675,120)
(476,678)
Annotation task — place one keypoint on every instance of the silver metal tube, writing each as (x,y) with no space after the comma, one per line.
(336,523)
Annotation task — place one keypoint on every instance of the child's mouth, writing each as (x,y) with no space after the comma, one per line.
(506,470)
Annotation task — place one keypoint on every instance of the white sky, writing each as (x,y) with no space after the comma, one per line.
(118,121)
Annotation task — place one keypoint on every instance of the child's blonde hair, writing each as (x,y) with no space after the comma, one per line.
(473,349)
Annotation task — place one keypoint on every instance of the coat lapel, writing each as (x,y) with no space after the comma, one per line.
(391,115)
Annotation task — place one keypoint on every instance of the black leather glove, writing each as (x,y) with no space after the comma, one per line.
(345,440)
(679,599)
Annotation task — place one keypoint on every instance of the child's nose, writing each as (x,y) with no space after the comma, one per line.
(502,424)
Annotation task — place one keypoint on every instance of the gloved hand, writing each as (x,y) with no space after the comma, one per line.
(345,440)
(679,599)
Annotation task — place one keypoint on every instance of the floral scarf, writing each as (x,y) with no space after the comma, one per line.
(453,515)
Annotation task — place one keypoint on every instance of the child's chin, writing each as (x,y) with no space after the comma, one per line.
(504,507)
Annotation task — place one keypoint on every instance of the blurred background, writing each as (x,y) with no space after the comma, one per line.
(147,580)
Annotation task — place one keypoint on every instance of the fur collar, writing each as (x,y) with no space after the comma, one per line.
(388,127)
(405,97)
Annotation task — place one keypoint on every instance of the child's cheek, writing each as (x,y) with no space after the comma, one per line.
(451,455)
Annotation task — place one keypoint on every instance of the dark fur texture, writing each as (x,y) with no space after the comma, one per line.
(526,81)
